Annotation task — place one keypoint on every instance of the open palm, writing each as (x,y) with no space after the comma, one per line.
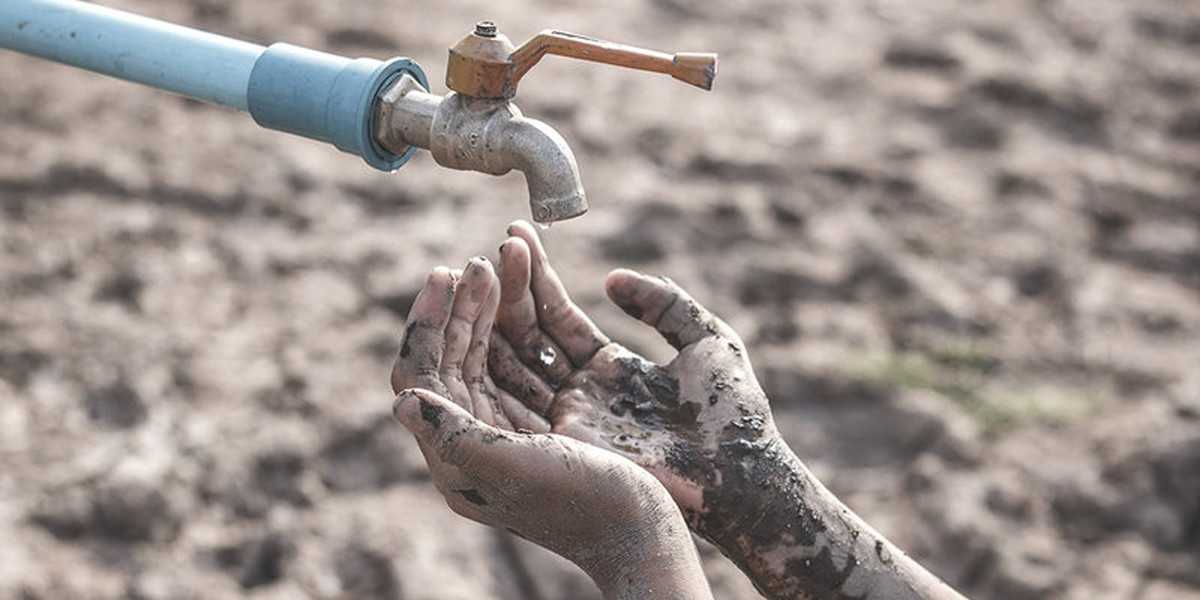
(681,421)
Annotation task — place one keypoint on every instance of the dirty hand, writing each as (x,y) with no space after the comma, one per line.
(700,423)
(592,507)
(681,421)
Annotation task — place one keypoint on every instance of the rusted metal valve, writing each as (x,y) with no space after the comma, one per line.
(477,127)
(485,64)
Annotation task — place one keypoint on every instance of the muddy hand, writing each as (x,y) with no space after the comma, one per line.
(592,507)
(701,424)
(445,346)
(597,509)
(672,419)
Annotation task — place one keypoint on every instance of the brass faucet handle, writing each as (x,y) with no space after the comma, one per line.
(698,69)
(484,64)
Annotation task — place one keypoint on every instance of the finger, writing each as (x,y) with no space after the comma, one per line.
(457,444)
(470,295)
(521,416)
(481,406)
(423,341)
(663,305)
(517,379)
(517,414)
(558,315)
(448,432)
(517,318)
(487,408)
(450,440)
(475,362)
(501,418)
(474,369)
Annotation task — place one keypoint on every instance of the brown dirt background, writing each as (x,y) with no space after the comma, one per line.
(962,240)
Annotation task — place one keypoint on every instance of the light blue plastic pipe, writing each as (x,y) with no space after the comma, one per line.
(287,88)
(177,59)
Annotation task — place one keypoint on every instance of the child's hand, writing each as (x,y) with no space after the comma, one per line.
(444,347)
(701,424)
(682,421)
(593,507)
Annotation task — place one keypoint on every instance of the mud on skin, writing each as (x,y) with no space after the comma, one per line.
(758,500)
(650,394)
(768,505)
(612,528)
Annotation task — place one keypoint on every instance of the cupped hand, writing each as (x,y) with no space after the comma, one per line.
(445,346)
(493,462)
(592,507)
(695,423)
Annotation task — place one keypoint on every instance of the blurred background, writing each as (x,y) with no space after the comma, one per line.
(961,238)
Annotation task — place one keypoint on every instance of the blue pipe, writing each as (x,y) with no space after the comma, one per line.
(177,59)
(313,94)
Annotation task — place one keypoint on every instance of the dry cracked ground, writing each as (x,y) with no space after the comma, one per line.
(961,238)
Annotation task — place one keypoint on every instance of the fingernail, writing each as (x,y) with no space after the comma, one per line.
(621,288)
(404,397)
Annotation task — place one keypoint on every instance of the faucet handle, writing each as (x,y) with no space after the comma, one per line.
(485,65)
(690,67)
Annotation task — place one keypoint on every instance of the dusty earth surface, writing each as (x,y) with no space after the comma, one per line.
(962,240)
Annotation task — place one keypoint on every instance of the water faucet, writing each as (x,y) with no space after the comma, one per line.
(477,127)
(381,111)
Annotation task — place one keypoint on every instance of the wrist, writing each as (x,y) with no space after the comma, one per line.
(776,522)
(664,566)
(753,480)
(653,557)
(794,538)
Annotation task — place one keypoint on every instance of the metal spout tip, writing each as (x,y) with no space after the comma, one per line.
(550,210)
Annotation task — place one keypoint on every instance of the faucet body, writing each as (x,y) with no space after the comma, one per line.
(489,135)
(477,127)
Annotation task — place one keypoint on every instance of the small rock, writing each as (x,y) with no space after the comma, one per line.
(65,514)
(257,562)
(365,574)
(117,405)
(134,511)
(1038,280)
(124,288)
(920,56)
(279,473)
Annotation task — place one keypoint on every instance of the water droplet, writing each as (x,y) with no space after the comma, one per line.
(547,356)
(545,226)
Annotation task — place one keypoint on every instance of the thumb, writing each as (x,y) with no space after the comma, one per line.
(438,424)
(658,302)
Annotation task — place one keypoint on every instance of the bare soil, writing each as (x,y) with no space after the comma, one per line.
(962,240)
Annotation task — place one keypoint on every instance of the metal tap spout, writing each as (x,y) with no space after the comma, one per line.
(485,135)
(555,189)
